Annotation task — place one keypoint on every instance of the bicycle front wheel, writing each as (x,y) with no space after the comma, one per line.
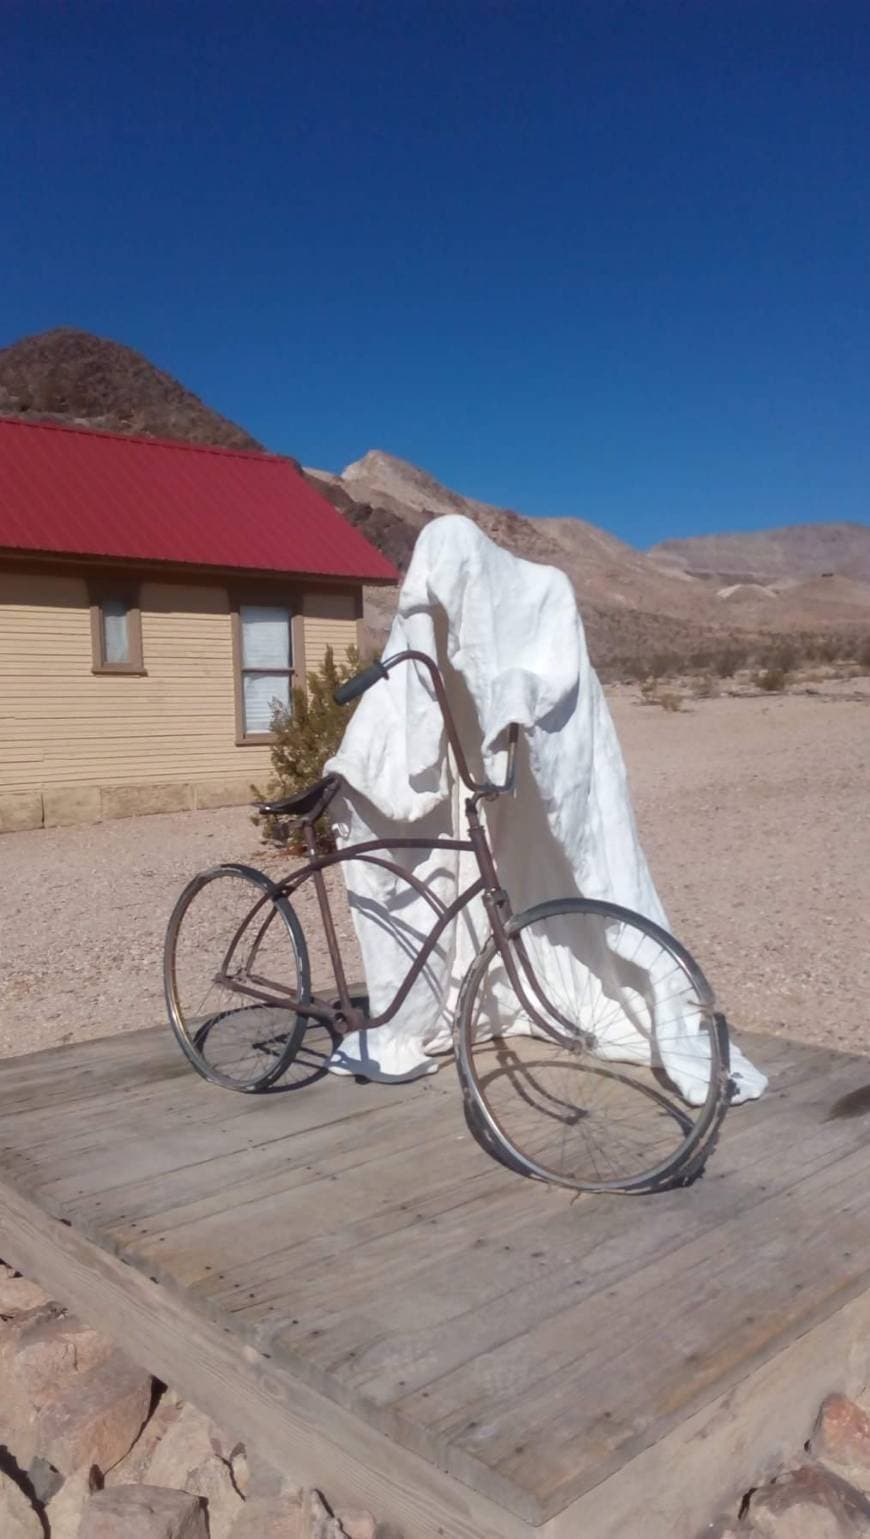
(592,1055)
(235,968)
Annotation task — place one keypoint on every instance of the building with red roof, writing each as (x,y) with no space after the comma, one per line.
(158,602)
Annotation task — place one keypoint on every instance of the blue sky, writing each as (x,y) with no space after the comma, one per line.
(605,259)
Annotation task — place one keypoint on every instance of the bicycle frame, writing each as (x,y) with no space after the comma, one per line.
(344,1016)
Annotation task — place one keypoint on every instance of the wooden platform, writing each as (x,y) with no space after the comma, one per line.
(341,1275)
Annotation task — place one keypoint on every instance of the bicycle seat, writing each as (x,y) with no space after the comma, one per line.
(309,804)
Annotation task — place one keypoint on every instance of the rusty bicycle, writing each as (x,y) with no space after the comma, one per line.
(569,1016)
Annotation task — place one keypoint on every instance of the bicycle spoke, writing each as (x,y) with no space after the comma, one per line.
(236,971)
(594,1100)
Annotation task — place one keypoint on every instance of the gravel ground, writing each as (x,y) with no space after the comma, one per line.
(754,813)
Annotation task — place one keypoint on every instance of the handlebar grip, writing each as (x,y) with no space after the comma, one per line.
(359,684)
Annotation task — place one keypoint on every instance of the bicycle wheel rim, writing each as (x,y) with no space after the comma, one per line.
(535,1092)
(235,968)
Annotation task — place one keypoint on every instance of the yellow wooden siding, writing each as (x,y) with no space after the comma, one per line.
(330,621)
(60,724)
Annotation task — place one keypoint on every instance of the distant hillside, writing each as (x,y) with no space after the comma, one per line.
(391,500)
(775,555)
(634,605)
(72,376)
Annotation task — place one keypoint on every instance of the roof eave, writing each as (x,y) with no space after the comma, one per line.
(150,563)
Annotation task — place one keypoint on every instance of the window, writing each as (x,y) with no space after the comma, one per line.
(116,631)
(264,650)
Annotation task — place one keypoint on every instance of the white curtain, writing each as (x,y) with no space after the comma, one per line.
(265,647)
(116,644)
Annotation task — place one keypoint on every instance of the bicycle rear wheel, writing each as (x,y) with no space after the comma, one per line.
(603,1065)
(235,969)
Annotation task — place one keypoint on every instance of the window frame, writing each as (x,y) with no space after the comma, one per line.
(99,591)
(284,597)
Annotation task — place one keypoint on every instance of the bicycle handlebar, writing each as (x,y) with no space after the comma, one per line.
(363,681)
(359,684)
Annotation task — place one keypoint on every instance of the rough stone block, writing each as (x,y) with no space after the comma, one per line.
(20,810)
(70,804)
(356,1524)
(317,1521)
(96,1418)
(143,1512)
(180,1448)
(133,1468)
(213,1481)
(17,1414)
(44,1480)
(189,1440)
(222,793)
(841,1440)
(256,1477)
(269,1517)
(18,1294)
(18,1519)
(64,1511)
(51,1350)
(809,1503)
(138,801)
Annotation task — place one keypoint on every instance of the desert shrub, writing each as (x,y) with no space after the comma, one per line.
(670,700)
(662,665)
(726,661)
(706,687)
(774,665)
(784,657)
(827,649)
(307,736)
(773,680)
(862,655)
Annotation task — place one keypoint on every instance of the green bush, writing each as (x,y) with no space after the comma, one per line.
(306,737)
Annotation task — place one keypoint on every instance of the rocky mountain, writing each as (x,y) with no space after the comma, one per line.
(634,603)
(788,555)
(392,499)
(75,377)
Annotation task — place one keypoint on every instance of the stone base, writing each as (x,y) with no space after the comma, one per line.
(71,804)
(138,801)
(221,793)
(62,806)
(20,810)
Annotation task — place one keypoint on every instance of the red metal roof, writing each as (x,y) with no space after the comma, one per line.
(77,492)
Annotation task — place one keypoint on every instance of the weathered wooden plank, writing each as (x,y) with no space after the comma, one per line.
(325,1217)
(601,1378)
(707,1462)
(264,1239)
(378,1260)
(308,1437)
(424,1320)
(177,1094)
(236,1175)
(579,1238)
(183,1148)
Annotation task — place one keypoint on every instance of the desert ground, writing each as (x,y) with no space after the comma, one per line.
(754,812)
